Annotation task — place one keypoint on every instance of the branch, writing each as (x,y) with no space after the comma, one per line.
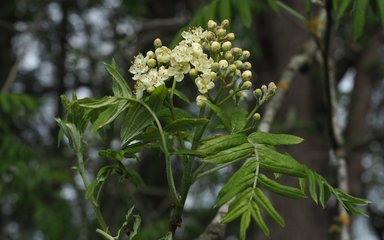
(215,230)
(335,131)
(32,29)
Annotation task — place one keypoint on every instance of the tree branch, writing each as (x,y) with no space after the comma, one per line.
(215,230)
(335,131)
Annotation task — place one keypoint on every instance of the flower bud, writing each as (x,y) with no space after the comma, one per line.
(237,51)
(151,63)
(228,56)
(193,73)
(230,36)
(157,43)
(210,35)
(247,65)
(239,64)
(200,100)
(150,89)
(246,54)
(232,68)
(247,84)
(225,23)
(215,66)
(272,87)
(211,24)
(257,93)
(223,64)
(215,46)
(213,75)
(221,32)
(226,46)
(264,89)
(256,116)
(151,54)
(246,75)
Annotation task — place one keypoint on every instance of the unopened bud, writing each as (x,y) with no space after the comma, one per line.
(257,93)
(246,54)
(157,43)
(247,84)
(237,51)
(150,89)
(247,65)
(226,46)
(256,116)
(215,66)
(221,32)
(200,100)
(215,46)
(213,75)
(264,89)
(151,54)
(210,35)
(193,73)
(225,23)
(151,63)
(239,64)
(211,24)
(232,67)
(223,64)
(272,87)
(230,36)
(246,75)
(228,56)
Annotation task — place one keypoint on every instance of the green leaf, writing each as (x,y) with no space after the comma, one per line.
(222,142)
(120,87)
(264,202)
(275,162)
(238,119)
(138,117)
(322,190)
(244,8)
(380,4)
(119,170)
(185,124)
(256,215)
(312,185)
(343,7)
(274,139)
(232,154)
(125,223)
(225,11)
(359,17)
(110,114)
(94,103)
(181,95)
(135,228)
(280,189)
(72,134)
(244,223)
(189,152)
(220,114)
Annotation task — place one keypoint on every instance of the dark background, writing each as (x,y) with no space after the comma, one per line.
(50,48)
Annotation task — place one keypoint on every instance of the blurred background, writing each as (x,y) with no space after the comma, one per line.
(50,47)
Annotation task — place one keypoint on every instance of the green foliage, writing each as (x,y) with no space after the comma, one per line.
(149,119)
(244,189)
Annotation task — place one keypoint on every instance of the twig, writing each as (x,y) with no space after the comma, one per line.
(13,72)
(334,127)
(215,230)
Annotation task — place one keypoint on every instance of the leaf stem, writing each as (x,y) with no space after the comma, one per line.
(292,11)
(168,165)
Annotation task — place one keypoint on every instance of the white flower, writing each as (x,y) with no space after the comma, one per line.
(194,35)
(205,82)
(203,63)
(163,54)
(178,70)
(139,65)
(181,53)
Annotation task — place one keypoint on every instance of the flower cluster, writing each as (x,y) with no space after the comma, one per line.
(207,56)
